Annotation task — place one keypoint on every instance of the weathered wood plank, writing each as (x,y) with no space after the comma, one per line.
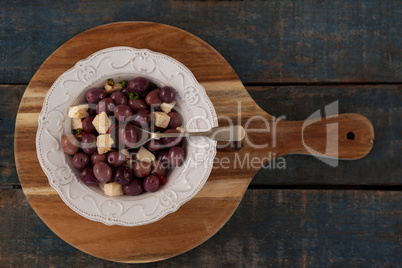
(290,228)
(10,97)
(381,104)
(264,41)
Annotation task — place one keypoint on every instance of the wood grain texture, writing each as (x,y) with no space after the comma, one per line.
(264,41)
(10,97)
(205,214)
(276,228)
(379,103)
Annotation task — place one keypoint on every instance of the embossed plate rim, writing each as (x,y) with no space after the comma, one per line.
(117,210)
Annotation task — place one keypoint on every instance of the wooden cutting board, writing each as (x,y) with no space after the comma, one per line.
(208,211)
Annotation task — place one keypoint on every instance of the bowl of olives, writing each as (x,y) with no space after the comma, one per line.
(88,131)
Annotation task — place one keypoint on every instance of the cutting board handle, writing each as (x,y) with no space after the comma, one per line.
(343,136)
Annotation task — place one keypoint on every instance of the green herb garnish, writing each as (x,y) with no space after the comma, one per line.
(125,175)
(110,81)
(91,144)
(133,95)
(152,86)
(79,130)
(123,83)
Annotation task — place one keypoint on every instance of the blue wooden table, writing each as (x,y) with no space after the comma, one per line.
(294,57)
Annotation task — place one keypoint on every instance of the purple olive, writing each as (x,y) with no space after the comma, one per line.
(153,98)
(151,183)
(127,135)
(141,169)
(175,120)
(70,144)
(167,94)
(80,160)
(123,112)
(176,156)
(137,104)
(138,85)
(95,95)
(87,177)
(87,125)
(106,105)
(123,175)
(159,168)
(118,97)
(134,187)
(170,142)
(96,157)
(116,158)
(102,171)
(88,143)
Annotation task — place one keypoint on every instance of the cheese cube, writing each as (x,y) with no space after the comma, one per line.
(76,123)
(110,89)
(102,123)
(113,189)
(104,143)
(181,129)
(126,153)
(102,185)
(79,111)
(167,107)
(128,158)
(145,155)
(161,119)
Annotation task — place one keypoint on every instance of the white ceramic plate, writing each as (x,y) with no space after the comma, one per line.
(125,63)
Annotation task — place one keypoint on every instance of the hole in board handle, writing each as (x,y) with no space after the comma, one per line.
(350,136)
